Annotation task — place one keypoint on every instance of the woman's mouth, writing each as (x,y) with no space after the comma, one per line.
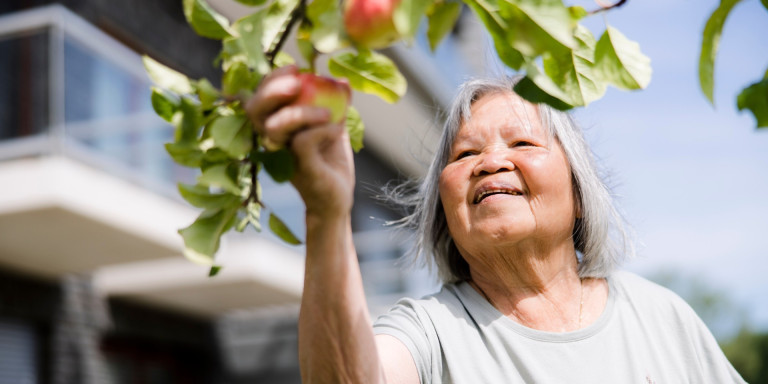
(483,193)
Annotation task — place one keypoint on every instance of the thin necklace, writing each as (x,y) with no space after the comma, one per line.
(581,298)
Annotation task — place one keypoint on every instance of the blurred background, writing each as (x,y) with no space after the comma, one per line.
(93,287)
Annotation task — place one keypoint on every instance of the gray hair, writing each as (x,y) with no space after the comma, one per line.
(599,235)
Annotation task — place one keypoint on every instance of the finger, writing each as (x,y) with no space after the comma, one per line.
(277,89)
(283,124)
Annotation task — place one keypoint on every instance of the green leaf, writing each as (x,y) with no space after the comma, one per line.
(274,22)
(355,128)
(370,72)
(231,52)
(253,213)
(573,71)
(326,26)
(206,21)
(187,120)
(488,12)
(283,58)
(538,88)
(201,197)
(202,237)
(166,77)
(407,16)
(252,3)
(305,45)
(165,103)
(214,270)
(537,26)
(186,154)
(252,216)
(249,48)
(709,45)
(207,94)
(213,156)
(765,3)
(244,179)
(619,61)
(442,18)
(577,12)
(755,99)
(232,133)
(240,226)
(281,230)
(244,50)
(223,176)
(238,79)
(280,164)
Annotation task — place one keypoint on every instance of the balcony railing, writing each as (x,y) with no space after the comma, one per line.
(68,89)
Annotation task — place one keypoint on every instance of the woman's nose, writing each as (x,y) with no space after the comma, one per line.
(493,162)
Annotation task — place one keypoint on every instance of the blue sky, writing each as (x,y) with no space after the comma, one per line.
(691,178)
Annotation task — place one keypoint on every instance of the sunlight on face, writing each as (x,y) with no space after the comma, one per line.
(507,181)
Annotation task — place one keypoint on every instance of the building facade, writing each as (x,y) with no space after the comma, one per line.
(93,287)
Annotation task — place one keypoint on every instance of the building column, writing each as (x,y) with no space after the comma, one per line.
(80,321)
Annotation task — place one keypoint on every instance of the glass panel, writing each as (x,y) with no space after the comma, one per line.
(95,88)
(108,112)
(24,84)
(18,355)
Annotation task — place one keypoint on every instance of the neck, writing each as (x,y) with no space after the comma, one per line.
(518,267)
(538,288)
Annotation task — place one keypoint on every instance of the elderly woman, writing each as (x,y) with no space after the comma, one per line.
(518,223)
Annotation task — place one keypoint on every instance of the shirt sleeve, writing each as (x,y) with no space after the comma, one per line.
(713,363)
(405,321)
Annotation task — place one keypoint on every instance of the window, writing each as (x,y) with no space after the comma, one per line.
(18,354)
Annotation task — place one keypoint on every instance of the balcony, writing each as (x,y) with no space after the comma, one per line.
(89,189)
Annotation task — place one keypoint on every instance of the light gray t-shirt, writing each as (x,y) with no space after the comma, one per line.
(646,334)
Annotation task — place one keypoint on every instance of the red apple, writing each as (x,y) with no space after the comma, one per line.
(369,22)
(324,92)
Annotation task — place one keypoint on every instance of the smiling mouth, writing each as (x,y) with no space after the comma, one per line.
(491,192)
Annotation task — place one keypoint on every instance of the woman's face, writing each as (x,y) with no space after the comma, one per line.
(507,181)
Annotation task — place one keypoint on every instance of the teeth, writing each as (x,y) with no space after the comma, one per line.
(494,191)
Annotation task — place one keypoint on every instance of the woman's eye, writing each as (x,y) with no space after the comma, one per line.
(464,154)
(523,143)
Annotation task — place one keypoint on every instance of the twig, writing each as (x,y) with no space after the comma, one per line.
(296,15)
(254,196)
(604,8)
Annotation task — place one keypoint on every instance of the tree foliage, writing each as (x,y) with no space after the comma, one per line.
(745,347)
(754,97)
(564,64)
(748,352)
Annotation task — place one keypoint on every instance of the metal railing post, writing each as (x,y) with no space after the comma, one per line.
(56,107)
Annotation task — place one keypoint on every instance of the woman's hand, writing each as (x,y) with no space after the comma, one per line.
(325,176)
(336,341)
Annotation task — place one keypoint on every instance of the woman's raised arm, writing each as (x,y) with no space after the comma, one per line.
(336,341)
